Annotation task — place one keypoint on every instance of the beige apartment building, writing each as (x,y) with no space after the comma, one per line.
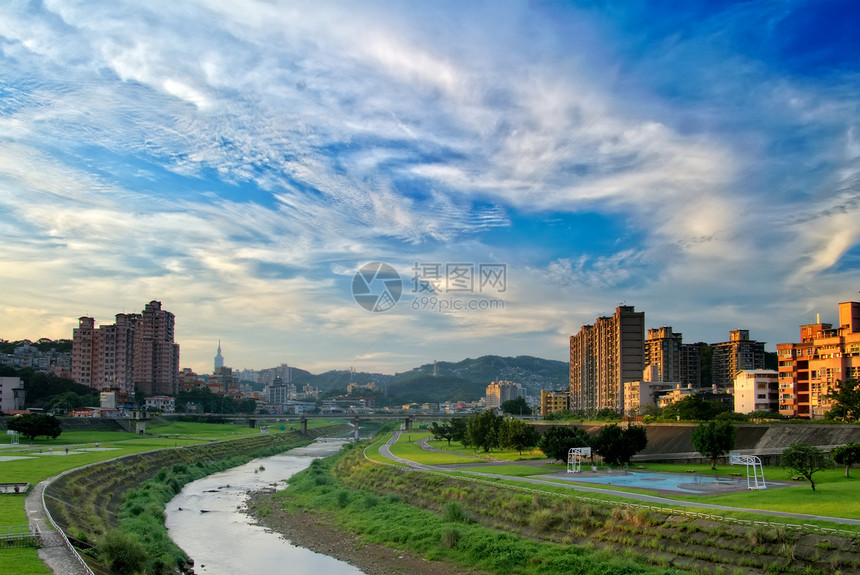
(554,401)
(499,392)
(809,369)
(756,390)
(604,356)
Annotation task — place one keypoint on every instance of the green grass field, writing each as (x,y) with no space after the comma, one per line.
(506,454)
(407,447)
(511,470)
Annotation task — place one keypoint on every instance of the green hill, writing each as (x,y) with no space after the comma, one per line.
(465,380)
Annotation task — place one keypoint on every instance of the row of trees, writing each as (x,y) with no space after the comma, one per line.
(488,430)
(805,459)
(614,444)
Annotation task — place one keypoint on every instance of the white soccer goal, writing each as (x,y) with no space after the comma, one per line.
(15,435)
(755,477)
(574,458)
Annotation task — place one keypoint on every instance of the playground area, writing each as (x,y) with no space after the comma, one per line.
(670,482)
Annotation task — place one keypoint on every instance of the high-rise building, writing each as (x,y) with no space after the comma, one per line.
(135,353)
(156,356)
(604,356)
(117,350)
(808,370)
(219,359)
(730,357)
(663,350)
(691,370)
(85,348)
(499,392)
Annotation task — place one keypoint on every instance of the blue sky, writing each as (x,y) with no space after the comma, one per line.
(241,160)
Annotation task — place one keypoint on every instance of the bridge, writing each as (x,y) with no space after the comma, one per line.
(354,418)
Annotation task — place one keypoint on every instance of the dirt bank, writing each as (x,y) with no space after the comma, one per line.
(313,532)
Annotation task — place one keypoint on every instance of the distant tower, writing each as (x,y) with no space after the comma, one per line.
(219,359)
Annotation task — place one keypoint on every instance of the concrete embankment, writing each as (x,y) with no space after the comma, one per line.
(671,441)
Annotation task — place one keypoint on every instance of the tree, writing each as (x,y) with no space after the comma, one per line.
(617,445)
(459,425)
(714,439)
(846,455)
(517,406)
(519,435)
(442,431)
(248,405)
(32,425)
(694,408)
(558,440)
(484,430)
(845,400)
(606,414)
(67,401)
(41,388)
(804,459)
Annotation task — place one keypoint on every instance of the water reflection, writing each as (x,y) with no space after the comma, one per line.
(204,519)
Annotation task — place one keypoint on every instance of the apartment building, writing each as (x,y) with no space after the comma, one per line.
(554,401)
(499,392)
(135,352)
(605,355)
(809,369)
(730,357)
(756,390)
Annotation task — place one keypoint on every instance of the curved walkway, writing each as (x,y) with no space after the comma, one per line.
(54,552)
(385,451)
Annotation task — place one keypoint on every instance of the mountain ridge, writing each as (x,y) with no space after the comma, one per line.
(465,380)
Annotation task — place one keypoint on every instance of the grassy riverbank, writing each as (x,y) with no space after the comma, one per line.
(119,505)
(447,533)
(545,530)
(90,507)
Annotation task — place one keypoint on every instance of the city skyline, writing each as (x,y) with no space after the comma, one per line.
(242,162)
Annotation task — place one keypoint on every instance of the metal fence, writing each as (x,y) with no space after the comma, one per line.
(20,536)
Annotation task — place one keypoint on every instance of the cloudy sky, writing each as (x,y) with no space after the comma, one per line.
(531,164)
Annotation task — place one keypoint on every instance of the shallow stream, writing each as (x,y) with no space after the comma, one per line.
(206,521)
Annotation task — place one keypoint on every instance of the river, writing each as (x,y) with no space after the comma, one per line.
(205,520)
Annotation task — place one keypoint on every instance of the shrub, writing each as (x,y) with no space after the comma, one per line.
(455,513)
(122,552)
(449,538)
(543,519)
(342,498)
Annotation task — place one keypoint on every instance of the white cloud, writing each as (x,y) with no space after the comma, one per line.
(239,159)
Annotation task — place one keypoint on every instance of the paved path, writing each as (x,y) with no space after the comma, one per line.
(385,451)
(53,552)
